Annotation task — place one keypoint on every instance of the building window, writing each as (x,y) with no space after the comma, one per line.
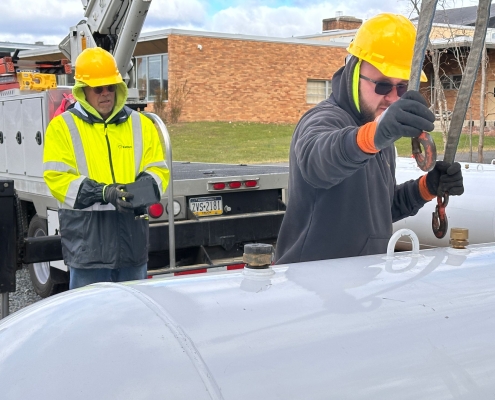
(151,76)
(317,91)
(450,82)
(154,68)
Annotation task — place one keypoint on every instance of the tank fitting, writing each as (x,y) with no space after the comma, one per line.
(258,255)
(459,238)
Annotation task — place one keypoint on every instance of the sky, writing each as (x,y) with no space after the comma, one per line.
(48,21)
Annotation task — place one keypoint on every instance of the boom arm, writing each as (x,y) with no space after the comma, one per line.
(113,25)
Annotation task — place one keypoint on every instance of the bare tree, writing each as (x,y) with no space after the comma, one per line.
(484,62)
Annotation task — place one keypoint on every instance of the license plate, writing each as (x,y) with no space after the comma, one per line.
(204,206)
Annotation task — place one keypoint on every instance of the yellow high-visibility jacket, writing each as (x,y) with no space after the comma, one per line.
(82,153)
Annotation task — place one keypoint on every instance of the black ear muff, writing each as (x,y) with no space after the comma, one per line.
(347,58)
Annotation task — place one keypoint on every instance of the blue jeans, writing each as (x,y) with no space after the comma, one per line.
(81,276)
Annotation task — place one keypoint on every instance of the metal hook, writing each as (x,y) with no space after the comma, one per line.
(439,221)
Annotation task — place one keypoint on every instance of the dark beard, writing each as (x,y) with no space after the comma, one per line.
(366,114)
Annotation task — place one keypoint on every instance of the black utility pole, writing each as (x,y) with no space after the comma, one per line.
(7,243)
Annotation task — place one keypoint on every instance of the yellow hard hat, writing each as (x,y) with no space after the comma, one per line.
(386,41)
(97,67)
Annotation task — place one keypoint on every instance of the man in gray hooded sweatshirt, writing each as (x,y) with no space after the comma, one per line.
(343,197)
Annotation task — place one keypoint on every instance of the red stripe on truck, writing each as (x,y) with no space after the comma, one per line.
(235,266)
(194,271)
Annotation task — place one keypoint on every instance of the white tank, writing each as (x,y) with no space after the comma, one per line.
(474,210)
(413,326)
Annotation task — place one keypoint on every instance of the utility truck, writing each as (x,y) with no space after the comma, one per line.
(217,208)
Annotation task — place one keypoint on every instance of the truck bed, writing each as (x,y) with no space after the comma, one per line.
(183,170)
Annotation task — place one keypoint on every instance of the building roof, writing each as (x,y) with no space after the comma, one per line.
(9,47)
(460,16)
(333,35)
(464,41)
(165,33)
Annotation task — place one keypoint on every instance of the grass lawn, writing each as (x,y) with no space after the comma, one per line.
(246,142)
(236,142)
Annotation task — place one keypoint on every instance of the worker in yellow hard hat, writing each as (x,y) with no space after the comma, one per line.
(343,196)
(92,153)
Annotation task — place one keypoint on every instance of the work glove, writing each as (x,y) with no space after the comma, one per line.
(116,195)
(445,177)
(408,116)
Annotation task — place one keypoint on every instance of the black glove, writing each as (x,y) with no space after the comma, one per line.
(445,177)
(116,195)
(408,116)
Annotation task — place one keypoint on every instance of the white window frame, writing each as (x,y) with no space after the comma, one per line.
(149,99)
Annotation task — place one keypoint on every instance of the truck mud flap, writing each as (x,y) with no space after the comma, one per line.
(218,231)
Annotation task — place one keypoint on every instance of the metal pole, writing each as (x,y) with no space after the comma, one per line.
(5,305)
(482,105)
(170,190)
(127,38)
(471,124)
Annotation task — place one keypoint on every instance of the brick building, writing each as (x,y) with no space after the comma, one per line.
(250,79)
(232,77)
(264,79)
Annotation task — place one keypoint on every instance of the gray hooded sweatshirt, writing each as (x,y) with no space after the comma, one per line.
(342,201)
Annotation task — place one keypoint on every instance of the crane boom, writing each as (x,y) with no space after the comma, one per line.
(114,25)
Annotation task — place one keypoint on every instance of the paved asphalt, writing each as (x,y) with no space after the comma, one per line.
(488,156)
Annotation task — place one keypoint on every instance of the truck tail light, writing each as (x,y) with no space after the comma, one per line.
(251,183)
(235,185)
(238,184)
(155,210)
(219,186)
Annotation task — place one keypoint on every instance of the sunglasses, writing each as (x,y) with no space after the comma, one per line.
(99,89)
(384,88)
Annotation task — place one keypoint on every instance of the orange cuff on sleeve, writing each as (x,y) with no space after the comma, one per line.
(366,138)
(423,189)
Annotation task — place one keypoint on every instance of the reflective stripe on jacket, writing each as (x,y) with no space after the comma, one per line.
(78,148)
